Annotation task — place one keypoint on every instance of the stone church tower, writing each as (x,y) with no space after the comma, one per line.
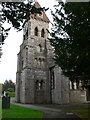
(38,79)
(32,69)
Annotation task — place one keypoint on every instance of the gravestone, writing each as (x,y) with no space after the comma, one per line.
(6,102)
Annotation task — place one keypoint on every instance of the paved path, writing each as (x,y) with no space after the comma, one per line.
(51,111)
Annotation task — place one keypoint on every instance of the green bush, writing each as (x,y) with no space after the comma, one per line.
(12,94)
(10,89)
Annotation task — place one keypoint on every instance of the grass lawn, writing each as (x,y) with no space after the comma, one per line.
(21,112)
(82,113)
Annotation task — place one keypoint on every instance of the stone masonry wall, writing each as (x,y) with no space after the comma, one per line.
(40,25)
(61,92)
(77,96)
(56,93)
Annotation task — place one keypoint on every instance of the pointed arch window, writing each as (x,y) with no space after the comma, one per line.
(42,84)
(27,33)
(37,84)
(42,33)
(40,48)
(36,31)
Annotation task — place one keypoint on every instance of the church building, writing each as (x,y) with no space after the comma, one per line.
(38,78)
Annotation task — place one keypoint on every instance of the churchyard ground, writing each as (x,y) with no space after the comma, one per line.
(82,112)
(21,112)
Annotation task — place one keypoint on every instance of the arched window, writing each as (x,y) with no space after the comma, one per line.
(40,61)
(37,84)
(27,34)
(23,37)
(40,48)
(35,62)
(42,33)
(73,86)
(22,64)
(42,84)
(43,63)
(36,31)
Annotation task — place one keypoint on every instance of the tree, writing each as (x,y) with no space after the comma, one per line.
(9,86)
(71,41)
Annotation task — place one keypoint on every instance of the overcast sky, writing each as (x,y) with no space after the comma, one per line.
(8,64)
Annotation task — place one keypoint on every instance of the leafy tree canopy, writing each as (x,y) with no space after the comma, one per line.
(9,86)
(71,40)
(17,14)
